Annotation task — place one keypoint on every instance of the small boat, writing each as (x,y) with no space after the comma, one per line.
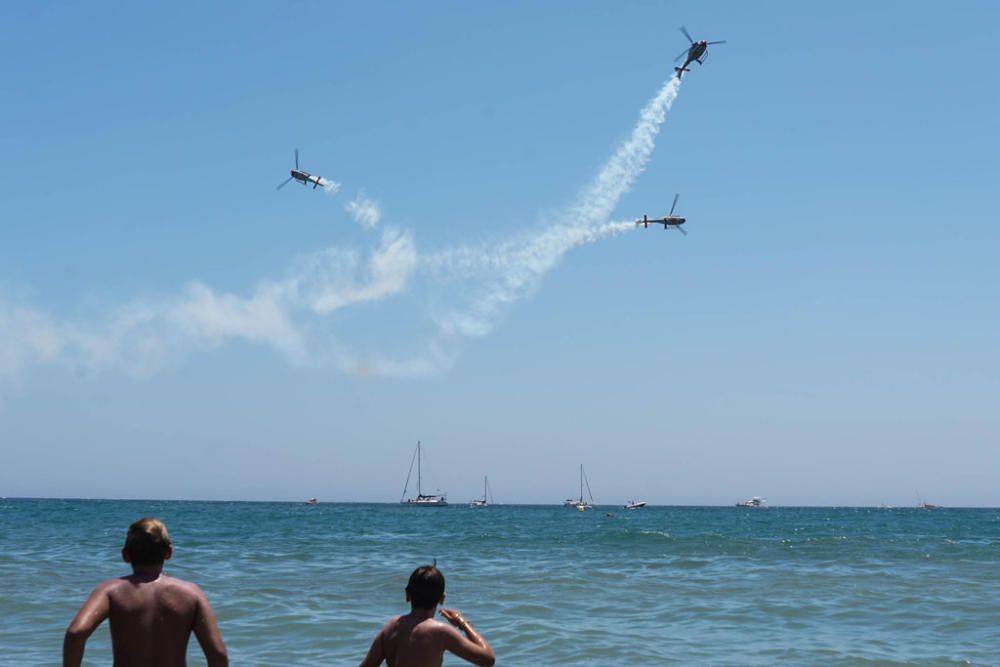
(580,504)
(487,498)
(635,504)
(756,501)
(312,501)
(921,505)
(422,499)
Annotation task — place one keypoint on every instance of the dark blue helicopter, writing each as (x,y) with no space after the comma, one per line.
(695,53)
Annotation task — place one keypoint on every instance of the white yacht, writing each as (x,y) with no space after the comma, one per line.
(580,504)
(635,504)
(422,499)
(756,501)
(487,498)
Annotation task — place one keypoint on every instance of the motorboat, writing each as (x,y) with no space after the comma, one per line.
(635,504)
(756,501)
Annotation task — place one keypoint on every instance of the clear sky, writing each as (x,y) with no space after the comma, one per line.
(172,326)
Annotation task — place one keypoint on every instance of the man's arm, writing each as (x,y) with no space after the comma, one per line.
(376,654)
(207,631)
(91,614)
(472,646)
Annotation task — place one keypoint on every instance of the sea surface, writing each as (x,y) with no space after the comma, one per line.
(300,585)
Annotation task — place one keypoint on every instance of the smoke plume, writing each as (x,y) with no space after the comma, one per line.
(475,285)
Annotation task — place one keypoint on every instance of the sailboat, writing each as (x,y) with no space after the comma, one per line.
(487,498)
(581,505)
(422,500)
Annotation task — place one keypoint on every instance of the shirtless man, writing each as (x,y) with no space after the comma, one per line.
(417,640)
(152,615)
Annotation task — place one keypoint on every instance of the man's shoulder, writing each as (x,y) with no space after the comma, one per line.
(434,627)
(428,625)
(184,585)
(110,584)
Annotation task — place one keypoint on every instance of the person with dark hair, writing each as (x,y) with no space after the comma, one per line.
(152,615)
(417,640)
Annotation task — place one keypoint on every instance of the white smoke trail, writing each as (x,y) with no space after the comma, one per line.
(619,173)
(366,212)
(511,270)
(140,337)
(505,273)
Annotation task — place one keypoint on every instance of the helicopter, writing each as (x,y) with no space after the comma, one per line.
(304,177)
(695,52)
(669,220)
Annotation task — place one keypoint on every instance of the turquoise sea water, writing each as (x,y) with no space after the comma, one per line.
(300,585)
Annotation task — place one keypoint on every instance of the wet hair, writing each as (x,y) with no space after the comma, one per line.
(147,542)
(426,587)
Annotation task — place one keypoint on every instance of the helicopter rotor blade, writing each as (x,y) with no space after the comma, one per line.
(284,183)
(683,53)
(296,158)
(721,41)
(676,196)
(681,230)
(686,34)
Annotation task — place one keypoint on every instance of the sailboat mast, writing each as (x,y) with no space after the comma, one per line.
(419,492)
(581,483)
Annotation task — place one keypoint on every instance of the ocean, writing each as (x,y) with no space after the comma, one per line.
(546,585)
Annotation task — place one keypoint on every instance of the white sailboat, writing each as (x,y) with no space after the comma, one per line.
(581,505)
(487,498)
(423,499)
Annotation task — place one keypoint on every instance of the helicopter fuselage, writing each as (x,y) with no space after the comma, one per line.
(305,178)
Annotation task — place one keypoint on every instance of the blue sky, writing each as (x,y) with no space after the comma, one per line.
(826,334)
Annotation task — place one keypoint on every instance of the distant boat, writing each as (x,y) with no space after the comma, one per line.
(921,505)
(423,499)
(580,504)
(312,501)
(487,498)
(756,501)
(635,504)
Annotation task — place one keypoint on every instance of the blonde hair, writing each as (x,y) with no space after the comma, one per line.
(147,542)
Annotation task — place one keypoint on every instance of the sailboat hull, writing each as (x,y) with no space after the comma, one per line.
(426,501)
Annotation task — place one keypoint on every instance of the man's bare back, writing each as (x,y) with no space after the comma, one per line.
(152,616)
(417,640)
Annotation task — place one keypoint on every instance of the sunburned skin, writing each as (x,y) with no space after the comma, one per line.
(152,616)
(417,640)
